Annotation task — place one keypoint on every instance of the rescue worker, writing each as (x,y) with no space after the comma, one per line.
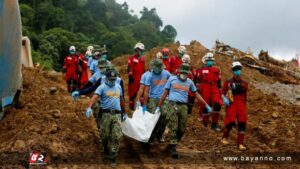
(140,94)
(177,88)
(176,60)
(166,58)
(71,69)
(136,68)
(90,59)
(235,97)
(83,61)
(93,67)
(191,96)
(110,95)
(154,88)
(208,81)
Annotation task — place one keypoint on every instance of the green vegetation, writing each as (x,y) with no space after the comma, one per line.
(54,25)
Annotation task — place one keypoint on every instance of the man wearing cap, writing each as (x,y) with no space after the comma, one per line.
(235,105)
(177,88)
(208,81)
(136,68)
(154,88)
(110,95)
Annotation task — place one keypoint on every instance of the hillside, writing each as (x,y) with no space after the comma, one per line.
(55,124)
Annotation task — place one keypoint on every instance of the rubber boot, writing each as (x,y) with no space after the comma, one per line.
(215,127)
(171,149)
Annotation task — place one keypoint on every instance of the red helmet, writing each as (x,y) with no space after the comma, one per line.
(165,52)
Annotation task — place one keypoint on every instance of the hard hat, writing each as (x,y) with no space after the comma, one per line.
(72,48)
(88,53)
(208,56)
(90,48)
(181,49)
(157,63)
(236,65)
(186,58)
(111,74)
(184,68)
(165,52)
(159,55)
(139,46)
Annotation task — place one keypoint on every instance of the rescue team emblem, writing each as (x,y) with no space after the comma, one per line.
(181,87)
(113,94)
(160,82)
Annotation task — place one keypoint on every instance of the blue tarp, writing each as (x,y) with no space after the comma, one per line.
(10,50)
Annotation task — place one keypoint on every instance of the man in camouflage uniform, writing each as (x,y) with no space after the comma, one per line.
(110,94)
(177,87)
(154,88)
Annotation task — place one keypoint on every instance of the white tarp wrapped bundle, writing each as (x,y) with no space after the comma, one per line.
(140,126)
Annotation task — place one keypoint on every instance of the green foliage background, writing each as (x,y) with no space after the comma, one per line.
(54,25)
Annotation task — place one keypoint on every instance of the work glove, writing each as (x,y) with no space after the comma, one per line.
(88,112)
(208,108)
(226,101)
(138,104)
(75,95)
(124,117)
(157,110)
(144,109)
(131,79)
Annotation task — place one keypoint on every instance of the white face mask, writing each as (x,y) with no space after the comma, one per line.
(183,77)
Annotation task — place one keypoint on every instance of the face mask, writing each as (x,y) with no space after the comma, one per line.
(103,57)
(237,72)
(141,53)
(165,57)
(157,71)
(72,52)
(110,83)
(183,77)
(180,55)
(210,63)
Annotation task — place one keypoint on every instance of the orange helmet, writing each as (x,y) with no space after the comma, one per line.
(165,52)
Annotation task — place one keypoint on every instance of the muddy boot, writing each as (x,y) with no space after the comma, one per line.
(2,114)
(171,149)
(242,147)
(113,160)
(224,141)
(106,153)
(215,127)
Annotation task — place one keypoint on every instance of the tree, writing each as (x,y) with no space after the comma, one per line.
(151,15)
(169,34)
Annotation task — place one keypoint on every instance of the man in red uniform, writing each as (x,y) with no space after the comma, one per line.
(236,91)
(176,60)
(208,79)
(83,61)
(136,68)
(166,58)
(71,68)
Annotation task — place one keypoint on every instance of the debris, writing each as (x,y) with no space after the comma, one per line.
(52,90)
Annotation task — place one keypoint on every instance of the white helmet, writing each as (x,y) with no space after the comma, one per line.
(90,48)
(139,46)
(72,48)
(208,56)
(236,65)
(181,49)
(159,55)
(186,58)
(88,53)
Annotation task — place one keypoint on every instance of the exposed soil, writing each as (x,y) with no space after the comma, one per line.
(55,124)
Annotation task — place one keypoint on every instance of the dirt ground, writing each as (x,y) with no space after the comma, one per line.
(52,122)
